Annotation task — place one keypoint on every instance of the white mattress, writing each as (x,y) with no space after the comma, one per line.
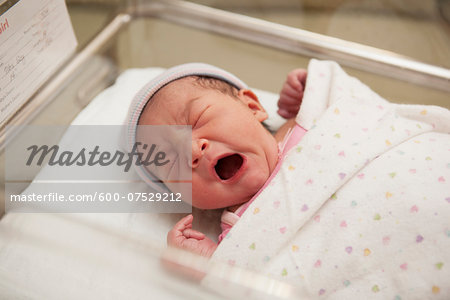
(98,256)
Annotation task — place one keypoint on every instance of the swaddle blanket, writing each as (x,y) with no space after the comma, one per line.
(361,206)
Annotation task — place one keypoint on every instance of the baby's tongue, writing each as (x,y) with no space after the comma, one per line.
(227,166)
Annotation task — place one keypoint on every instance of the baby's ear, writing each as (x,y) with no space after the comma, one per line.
(252,102)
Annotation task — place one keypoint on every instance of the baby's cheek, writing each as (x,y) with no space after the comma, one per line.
(209,195)
(203,198)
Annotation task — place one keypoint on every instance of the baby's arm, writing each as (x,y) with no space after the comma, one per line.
(184,237)
(291,94)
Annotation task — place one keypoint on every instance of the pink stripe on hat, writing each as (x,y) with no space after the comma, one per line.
(146,93)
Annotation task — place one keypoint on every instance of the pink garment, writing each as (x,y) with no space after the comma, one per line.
(228,218)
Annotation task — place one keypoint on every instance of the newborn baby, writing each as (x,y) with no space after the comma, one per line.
(233,154)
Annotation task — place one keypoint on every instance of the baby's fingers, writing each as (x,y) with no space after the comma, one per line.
(302,74)
(289,101)
(297,78)
(288,106)
(289,92)
(191,233)
(184,223)
(175,235)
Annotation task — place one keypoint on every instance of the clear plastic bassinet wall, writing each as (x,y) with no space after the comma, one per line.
(401,49)
(376,41)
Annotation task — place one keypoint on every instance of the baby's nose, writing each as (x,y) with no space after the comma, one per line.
(199,147)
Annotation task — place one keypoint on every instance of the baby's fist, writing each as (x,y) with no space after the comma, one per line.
(291,94)
(184,237)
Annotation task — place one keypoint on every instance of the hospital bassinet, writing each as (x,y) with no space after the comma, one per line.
(111,255)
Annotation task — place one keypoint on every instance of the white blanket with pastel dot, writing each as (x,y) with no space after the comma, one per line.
(361,206)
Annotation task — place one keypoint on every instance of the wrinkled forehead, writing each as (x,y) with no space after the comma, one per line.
(170,101)
(179,89)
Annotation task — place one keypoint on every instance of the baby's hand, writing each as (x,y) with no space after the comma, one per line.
(184,237)
(291,94)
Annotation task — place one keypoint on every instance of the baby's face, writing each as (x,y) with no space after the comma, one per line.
(232,153)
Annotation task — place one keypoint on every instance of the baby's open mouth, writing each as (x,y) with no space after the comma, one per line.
(228,166)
